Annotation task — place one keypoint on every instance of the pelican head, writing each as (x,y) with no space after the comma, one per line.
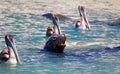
(9,39)
(55,29)
(5,54)
(10,55)
(50,30)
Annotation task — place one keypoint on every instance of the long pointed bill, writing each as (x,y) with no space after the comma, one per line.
(83,14)
(11,43)
(79,9)
(55,23)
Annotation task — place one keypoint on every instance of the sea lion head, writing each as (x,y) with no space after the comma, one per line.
(56,43)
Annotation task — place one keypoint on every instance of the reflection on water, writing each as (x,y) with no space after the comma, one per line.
(7,68)
(29,32)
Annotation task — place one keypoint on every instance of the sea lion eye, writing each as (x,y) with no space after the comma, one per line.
(54,38)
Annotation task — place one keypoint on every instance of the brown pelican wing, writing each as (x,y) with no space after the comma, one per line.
(59,16)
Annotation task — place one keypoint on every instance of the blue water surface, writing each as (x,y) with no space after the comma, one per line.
(81,55)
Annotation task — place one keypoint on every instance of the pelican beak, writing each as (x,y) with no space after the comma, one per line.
(54,16)
(82,12)
(79,8)
(9,39)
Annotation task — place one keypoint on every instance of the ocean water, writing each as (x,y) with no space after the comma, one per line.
(29,32)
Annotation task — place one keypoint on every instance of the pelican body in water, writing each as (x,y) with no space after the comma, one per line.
(82,22)
(10,54)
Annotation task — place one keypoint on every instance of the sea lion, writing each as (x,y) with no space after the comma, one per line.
(55,43)
(10,55)
(56,40)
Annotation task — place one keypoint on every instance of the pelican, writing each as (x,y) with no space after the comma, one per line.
(10,54)
(81,22)
(55,29)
